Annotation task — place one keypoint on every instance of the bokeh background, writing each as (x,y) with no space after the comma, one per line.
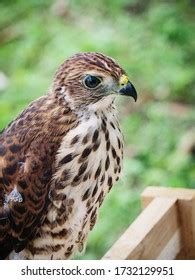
(155,43)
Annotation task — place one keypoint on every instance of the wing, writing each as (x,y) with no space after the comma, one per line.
(27,162)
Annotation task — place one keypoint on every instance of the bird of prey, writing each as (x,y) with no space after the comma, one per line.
(59,158)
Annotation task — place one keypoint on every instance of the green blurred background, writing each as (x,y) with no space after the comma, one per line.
(154,41)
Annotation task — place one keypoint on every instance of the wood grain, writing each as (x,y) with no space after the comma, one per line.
(164,230)
(146,238)
(186,212)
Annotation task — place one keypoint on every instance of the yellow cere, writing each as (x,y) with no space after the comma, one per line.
(123,80)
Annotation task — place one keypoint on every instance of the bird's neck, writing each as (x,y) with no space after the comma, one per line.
(100,106)
(104,104)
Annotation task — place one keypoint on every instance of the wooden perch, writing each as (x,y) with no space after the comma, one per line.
(164,230)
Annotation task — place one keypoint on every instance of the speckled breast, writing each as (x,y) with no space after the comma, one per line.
(88,164)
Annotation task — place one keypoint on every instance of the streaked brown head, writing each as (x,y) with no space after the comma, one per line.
(89,77)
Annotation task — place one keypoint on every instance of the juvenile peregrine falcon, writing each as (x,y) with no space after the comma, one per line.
(59,158)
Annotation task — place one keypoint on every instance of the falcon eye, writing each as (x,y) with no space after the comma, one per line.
(91,81)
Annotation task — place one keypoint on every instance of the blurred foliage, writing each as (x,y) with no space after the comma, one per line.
(155,43)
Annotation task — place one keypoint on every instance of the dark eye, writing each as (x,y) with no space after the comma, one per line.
(91,81)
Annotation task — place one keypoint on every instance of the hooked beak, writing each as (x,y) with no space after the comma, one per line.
(127,88)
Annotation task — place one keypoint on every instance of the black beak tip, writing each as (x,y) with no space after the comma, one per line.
(133,92)
(129,90)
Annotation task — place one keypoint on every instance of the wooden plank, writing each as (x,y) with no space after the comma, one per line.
(181,255)
(186,211)
(172,248)
(147,237)
(187,222)
(151,192)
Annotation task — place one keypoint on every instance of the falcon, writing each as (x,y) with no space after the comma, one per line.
(59,158)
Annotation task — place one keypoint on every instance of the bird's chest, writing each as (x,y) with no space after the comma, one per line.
(88,164)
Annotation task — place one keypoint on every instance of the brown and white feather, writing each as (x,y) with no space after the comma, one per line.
(58,160)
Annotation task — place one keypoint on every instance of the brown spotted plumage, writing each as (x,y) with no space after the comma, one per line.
(59,159)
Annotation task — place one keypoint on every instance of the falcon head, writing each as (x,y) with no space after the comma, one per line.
(91,78)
